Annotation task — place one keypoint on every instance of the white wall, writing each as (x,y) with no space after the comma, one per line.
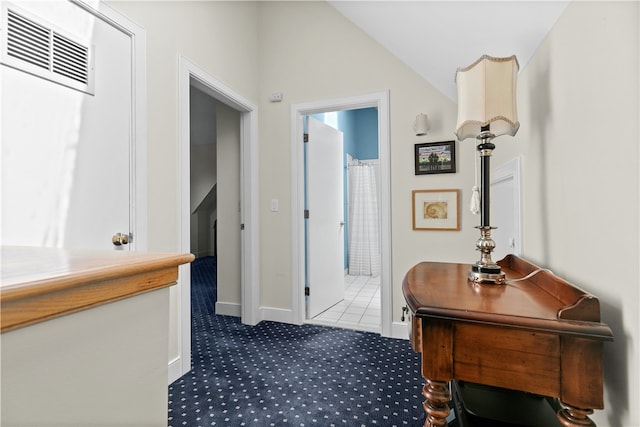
(578,108)
(103,366)
(202,146)
(202,233)
(304,61)
(203,133)
(228,272)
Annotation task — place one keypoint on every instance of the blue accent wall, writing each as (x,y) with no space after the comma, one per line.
(366,129)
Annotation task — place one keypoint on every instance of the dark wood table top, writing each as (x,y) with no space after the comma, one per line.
(544,302)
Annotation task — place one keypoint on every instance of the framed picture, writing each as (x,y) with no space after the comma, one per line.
(435,157)
(436,209)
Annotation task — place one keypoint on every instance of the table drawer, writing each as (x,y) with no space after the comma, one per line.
(507,357)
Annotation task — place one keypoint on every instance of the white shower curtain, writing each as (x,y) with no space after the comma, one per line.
(364,242)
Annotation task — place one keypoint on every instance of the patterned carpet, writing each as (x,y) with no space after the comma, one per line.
(276,374)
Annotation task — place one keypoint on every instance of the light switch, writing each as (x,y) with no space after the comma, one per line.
(274,205)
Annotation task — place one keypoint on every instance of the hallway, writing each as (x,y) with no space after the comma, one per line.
(275,374)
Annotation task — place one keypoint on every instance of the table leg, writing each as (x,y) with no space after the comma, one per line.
(574,417)
(436,405)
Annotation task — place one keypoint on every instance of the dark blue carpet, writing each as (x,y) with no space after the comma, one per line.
(276,374)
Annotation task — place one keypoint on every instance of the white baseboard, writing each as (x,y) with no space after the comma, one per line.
(400,330)
(264,313)
(228,309)
(175,370)
(277,315)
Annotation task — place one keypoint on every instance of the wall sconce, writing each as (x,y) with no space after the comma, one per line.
(421,124)
(487,109)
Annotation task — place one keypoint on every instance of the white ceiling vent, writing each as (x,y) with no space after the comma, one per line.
(38,49)
(70,59)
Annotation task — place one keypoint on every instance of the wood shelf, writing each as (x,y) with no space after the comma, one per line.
(43,283)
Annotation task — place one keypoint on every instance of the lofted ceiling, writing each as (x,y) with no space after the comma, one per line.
(435,38)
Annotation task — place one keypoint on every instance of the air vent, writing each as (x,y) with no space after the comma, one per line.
(70,59)
(28,41)
(38,49)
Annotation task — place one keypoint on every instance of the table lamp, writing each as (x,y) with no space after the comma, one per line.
(487,109)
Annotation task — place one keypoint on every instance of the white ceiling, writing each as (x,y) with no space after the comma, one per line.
(435,38)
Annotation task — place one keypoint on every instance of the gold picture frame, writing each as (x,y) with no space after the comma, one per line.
(436,210)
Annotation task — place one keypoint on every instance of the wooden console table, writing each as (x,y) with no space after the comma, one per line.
(541,335)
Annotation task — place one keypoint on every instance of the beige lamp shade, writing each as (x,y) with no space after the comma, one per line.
(487,96)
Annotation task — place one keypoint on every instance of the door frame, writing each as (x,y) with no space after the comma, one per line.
(379,100)
(512,170)
(249,255)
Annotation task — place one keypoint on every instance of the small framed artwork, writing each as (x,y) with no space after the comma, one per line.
(435,157)
(436,209)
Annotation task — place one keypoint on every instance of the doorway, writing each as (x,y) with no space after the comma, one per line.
(203,172)
(348,294)
(192,75)
(380,102)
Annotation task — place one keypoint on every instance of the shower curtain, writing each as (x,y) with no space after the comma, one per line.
(364,242)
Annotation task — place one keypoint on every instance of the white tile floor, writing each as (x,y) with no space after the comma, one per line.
(360,309)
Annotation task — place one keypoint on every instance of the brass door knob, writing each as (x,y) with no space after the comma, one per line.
(120,239)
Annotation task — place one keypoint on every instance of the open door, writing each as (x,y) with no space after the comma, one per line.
(325,223)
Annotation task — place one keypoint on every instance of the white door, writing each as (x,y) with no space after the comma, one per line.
(325,226)
(66,129)
(506,217)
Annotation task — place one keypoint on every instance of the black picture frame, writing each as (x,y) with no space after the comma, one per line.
(435,157)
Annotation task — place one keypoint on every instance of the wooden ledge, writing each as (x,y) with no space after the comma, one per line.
(39,284)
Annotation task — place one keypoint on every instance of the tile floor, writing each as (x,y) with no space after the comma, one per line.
(360,309)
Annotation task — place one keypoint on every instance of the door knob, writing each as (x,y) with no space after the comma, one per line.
(120,239)
(341,223)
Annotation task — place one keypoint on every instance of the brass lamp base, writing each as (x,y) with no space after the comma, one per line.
(490,274)
(485,270)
